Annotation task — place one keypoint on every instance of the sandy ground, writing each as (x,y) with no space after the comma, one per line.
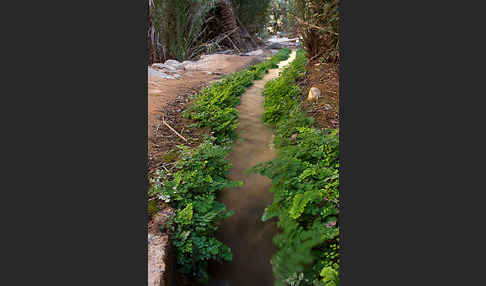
(162,91)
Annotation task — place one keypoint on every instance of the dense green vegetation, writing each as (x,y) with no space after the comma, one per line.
(215,107)
(191,188)
(305,183)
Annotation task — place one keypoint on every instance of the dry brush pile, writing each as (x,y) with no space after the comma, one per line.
(318,23)
(184,29)
(315,21)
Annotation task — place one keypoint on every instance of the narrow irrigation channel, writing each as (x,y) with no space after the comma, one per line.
(249,238)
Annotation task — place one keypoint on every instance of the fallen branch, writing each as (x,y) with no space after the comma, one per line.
(234,45)
(228,34)
(166,124)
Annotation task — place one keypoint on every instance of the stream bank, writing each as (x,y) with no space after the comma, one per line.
(248,237)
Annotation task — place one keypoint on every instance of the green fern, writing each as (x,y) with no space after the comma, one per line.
(184,216)
(215,107)
(305,184)
(199,174)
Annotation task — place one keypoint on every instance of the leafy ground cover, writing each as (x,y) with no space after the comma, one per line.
(215,107)
(191,187)
(305,183)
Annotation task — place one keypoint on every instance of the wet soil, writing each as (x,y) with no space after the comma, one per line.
(249,238)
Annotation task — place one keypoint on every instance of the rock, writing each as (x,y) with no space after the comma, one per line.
(276,46)
(158,256)
(190,65)
(157,73)
(184,63)
(163,73)
(175,64)
(214,73)
(167,69)
(161,218)
(314,94)
(256,60)
(274,51)
(227,52)
(172,62)
(258,52)
(163,67)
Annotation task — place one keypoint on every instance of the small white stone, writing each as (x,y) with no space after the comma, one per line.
(314,94)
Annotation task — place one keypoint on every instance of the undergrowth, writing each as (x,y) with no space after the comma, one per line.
(191,187)
(305,183)
(215,107)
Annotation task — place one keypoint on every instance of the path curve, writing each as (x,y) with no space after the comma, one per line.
(249,238)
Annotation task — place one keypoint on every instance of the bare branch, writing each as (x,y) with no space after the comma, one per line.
(166,124)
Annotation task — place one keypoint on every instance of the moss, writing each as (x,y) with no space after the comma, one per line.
(152,208)
(171,156)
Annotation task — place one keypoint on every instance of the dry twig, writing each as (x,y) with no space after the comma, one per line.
(166,124)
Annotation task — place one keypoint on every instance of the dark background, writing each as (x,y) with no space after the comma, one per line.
(74,143)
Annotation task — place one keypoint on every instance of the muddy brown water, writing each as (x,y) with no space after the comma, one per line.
(249,238)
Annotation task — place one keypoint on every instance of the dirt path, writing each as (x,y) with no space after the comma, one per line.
(248,237)
(162,92)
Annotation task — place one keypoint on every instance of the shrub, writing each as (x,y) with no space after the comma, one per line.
(329,277)
(215,107)
(305,183)
(191,189)
(201,173)
(281,94)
